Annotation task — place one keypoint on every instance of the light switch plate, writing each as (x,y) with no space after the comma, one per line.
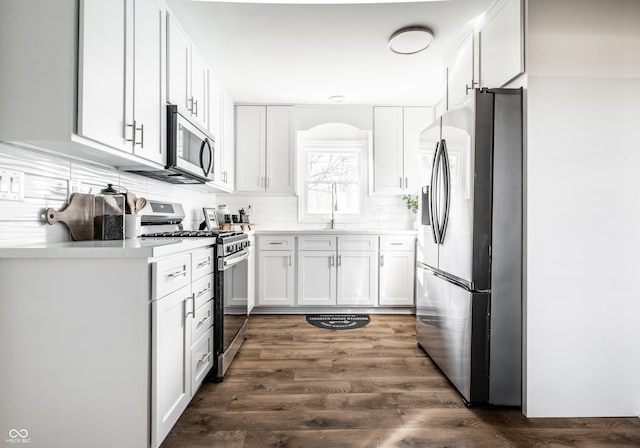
(11,185)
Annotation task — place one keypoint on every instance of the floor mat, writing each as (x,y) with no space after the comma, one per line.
(338,321)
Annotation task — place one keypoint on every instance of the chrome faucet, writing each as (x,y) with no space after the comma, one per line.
(333,205)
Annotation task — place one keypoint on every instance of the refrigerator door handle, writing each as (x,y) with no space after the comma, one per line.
(464,285)
(447,189)
(433,206)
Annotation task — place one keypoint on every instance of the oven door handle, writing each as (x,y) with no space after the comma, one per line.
(225,263)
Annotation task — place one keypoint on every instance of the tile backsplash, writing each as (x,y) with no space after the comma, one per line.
(47,177)
(46,184)
(281,212)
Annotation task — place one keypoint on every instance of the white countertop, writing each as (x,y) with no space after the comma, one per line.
(259,232)
(138,247)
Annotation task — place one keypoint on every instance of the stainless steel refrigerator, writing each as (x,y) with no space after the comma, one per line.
(469,260)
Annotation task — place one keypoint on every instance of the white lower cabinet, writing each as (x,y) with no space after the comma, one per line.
(181,336)
(336,270)
(397,271)
(346,275)
(276,270)
(357,278)
(316,277)
(171,373)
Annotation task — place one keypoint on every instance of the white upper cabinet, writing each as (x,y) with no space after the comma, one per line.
(489,57)
(148,113)
(90,82)
(415,120)
(102,73)
(199,87)
(501,44)
(395,148)
(221,125)
(178,65)
(460,72)
(228,142)
(265,146)
(119,89)
(251,128)
(187,75)
(280,158)
(388,173)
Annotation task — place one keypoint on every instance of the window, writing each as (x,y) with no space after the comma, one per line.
(331,175)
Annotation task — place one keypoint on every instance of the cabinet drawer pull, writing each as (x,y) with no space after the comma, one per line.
(381,260)
(204,358)
(202,322)
(339,260)
(178,274)
(276,243)
(397,244)
(332,260)
(204,263)
(193,306)
(204,291)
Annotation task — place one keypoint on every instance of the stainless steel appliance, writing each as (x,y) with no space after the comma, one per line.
(469,260)
(190,152)
(164,220)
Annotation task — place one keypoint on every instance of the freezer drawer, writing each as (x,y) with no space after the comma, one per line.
(452,327)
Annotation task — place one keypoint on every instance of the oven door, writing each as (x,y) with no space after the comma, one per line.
(233,271)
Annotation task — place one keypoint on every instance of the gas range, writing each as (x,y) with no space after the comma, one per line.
(164,220)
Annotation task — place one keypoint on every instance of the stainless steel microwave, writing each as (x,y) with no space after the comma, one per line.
(190,152)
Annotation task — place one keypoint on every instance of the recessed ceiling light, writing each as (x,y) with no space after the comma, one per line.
(410,40)
(336,99)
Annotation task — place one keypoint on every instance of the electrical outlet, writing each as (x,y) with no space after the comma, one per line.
(11,185)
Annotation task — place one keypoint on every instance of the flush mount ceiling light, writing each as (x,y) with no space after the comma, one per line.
(336,99)
(410,40)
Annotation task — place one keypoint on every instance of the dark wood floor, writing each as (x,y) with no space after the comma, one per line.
(295,385)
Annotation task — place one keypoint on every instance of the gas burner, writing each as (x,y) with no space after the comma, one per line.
(193,234)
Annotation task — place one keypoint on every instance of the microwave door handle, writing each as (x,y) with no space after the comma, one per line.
(206,169)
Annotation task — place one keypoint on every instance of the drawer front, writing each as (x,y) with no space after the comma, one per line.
(170,274)
(397,242)
(317,242)
(201,262)
(276,242)
(358,242)
(202,320)
(202,290)
(201,359)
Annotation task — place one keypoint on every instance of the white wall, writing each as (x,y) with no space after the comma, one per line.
(583,209)
(45,185)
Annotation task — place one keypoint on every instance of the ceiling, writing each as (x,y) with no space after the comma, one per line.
(288,53)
